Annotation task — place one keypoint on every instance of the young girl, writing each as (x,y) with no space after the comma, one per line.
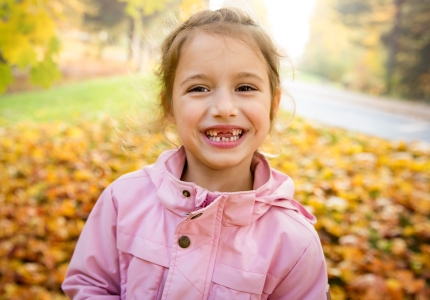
(210,220)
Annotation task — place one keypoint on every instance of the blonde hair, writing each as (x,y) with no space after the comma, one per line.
(230,22)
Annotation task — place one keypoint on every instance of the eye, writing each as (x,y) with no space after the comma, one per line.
(198,89)
(246,88)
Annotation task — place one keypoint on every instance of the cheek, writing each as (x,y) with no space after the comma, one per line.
(186,119)
(185,123)
(260,117)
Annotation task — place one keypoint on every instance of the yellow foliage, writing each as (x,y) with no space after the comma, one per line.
(28,39)
(189,7)
(370,196)
(136,7)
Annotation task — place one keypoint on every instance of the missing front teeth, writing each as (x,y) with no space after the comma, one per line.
(213,132)
(224,139)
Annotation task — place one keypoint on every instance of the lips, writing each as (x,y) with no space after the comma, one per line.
(216,135)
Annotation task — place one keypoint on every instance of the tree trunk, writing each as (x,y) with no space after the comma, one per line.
(131,33)
(392,47)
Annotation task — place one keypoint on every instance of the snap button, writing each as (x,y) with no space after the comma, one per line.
(196,216)
(186,193)
(184,241)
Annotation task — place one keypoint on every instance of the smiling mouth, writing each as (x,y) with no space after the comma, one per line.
(216,135)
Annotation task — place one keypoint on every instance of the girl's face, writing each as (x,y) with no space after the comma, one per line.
(221,101)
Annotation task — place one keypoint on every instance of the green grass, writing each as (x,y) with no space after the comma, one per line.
(91,99)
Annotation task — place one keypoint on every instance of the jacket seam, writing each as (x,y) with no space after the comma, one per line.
(159,284)
(272,275)
(120,258)
(192,250)
(203,228)
(174,258)
(135,235)
(132,177)
(173,269)
(300,222)
(212,248)
(216,291)
(243,269)
(301,256)
(112,198)
(189,281)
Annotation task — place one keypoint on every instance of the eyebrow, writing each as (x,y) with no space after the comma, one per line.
(192,77)
(249,75)
(239,75)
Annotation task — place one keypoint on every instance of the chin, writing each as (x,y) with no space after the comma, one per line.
(222,164)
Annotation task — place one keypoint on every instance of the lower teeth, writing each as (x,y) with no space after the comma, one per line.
(224,139)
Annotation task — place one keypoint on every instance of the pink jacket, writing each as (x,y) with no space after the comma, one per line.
(151,236)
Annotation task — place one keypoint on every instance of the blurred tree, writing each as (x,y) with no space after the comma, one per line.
(105,14)
(29,41)
(28,38)
(385,42)
(339,54)
(412,66)
(143,12)
(140,15)
(368,21)
(392,45)
(402,28)
(106,19)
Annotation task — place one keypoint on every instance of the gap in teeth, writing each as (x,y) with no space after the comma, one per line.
(214,133)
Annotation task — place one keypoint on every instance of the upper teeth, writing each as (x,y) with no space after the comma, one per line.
(213,132)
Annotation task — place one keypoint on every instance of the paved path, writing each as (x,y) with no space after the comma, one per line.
(386,118)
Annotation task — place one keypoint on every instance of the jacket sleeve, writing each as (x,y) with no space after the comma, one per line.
(308,278)
(93,272)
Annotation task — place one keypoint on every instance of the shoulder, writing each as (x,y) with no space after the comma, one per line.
(292,226)
(130,180)
(131,186)
(291,237)
(150,174)
(298,220)
(139,174)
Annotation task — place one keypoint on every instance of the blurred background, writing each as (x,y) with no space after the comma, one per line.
(77,82)
(375,46)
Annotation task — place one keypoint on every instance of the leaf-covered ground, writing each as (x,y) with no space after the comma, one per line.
(371,198)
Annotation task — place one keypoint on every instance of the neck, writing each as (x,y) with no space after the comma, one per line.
(235,179)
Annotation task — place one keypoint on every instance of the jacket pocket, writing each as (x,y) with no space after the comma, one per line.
(144,267)
(144,249)
(232,283)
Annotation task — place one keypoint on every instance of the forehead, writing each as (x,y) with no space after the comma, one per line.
(203,48)
(227,36)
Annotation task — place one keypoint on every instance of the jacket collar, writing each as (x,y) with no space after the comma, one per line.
(271,188)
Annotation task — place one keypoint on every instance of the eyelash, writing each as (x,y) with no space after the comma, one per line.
(249,88)
(202,89)
(198,89)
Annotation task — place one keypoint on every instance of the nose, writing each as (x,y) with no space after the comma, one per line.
(223,104)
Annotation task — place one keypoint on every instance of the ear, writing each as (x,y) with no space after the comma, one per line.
(170,116)
(168,108)
(276,101)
